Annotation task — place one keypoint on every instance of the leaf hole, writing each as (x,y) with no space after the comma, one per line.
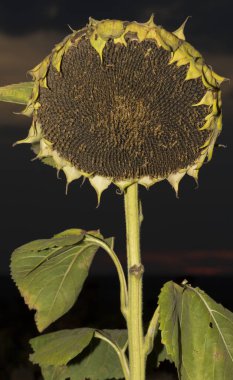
(211,325)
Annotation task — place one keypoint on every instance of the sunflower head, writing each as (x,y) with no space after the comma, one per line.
(124,102)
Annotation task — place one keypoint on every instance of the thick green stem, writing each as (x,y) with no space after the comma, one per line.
(135,273)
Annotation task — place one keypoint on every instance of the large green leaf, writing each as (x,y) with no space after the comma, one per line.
(159,353)
(54,373)
(197,333)
(16,93)
(50,273)
(69,238)
(97,361)
(100,360)
(58,348)
(170,305)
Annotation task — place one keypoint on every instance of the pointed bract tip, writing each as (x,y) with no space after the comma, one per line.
(174,180)
(33,136)
(119,191)
(150,22)
(100,184)
(58,173)
(67,188)
(72,30)
(193,172)
(71,174)
(220,79)
(92,21)
(197,184)
(180,31)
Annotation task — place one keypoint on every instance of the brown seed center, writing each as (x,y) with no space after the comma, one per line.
(128,117)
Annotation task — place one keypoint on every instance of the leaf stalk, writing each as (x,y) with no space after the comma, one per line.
(121,275)
(120,352)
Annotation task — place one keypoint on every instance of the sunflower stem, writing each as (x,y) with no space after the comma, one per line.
(135,274)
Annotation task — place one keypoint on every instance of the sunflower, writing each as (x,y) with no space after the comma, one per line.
(124,102)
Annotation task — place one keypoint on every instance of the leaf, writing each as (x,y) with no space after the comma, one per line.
(100,360)
(57,241)
(97,361)
(197,333)
(159,351)
(110,242)
(54,373)
(169,301)
(17,93)
(50,273)
(58,348)
(158,354)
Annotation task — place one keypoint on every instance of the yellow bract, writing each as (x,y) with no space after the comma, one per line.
(109,29)
(180,31)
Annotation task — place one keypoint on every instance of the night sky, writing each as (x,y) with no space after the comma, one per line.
(197,227)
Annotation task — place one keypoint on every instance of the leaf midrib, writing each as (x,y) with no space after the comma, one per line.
(212,315)
(66,274)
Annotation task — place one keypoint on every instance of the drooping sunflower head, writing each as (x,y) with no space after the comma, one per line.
(124,102)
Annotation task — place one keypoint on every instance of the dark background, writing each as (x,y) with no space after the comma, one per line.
(33,201)
(189,237)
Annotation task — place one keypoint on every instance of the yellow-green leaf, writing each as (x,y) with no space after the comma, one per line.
(54,373)
(86,359)
(100,361)
(58,348)
(50,273)
(197,333)
(19,93)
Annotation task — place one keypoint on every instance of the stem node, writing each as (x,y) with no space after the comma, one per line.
(137,270)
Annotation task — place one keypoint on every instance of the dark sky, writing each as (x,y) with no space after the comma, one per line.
(33,202)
